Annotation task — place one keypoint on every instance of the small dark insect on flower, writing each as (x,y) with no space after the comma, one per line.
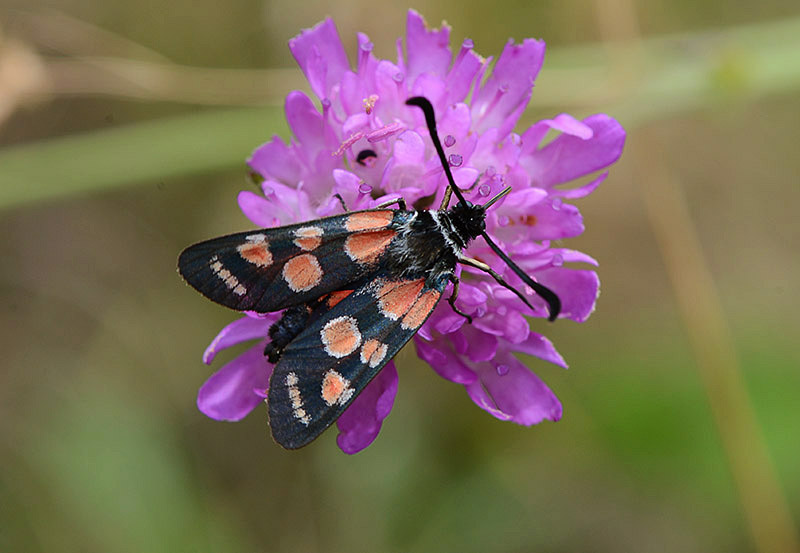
(352,257)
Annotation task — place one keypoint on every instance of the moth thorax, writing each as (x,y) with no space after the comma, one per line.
(467,220)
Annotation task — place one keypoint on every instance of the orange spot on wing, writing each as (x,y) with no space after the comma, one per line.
(421,309)
(395,298)
(302,273)
(369,220)
(256,253)
(367,247)
(341,336)
(336,297)
(373,352)
(308,238)
(335,388)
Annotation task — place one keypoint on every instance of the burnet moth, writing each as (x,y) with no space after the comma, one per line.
(354,288)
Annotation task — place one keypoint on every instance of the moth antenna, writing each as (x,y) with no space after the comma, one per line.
(500,194)
(430,119)
(553,301)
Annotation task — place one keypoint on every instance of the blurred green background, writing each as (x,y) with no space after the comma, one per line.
(123,132)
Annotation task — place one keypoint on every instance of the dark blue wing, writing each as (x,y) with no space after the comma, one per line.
(325,367)
(271,269)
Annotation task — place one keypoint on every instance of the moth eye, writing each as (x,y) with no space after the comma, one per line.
(366,158)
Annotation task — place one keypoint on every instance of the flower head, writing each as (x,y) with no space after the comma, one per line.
(365,145)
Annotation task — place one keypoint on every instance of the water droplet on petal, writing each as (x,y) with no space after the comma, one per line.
(504,88)
(269,192)
(367,46)
(490,171)
(364,188)
(455,160)
(468,43)
(502,370)
(484,190)
(503,220)
(449,140)
(326,103)
(558,260)
(502,310)
(399,76)
(557,204)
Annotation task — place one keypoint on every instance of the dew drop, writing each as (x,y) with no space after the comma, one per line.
(449,140)
(484,190)
(503,220)
(557,204)
(490,171)
(502,370)
(399,76)
(558,260)
(367,47)
(468,43)
(269,192)
(326,103)
(455,160)
(364,188)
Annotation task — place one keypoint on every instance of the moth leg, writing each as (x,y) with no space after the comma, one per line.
(341,201)
(446,200)
(500,280)
(452,299)
(400,201)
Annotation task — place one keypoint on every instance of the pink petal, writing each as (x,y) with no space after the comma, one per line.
(228,394)
(569,157)
(462,75)
(257,209)
(275,160)
(510,391)
(241,330)
(578,290)
(308,125)
(445,362)
(360,423)
(539,346)
(320,54)
(508,88)
(428,49)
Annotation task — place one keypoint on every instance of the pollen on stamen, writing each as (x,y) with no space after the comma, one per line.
(369,103)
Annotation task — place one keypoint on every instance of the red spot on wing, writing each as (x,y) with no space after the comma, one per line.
(256,253)
(396,297)
(308,238)
(302,273)
(336,297)
(341,336)
(373,352)
(335,388)
(369,220)
(421,309)
(367,247)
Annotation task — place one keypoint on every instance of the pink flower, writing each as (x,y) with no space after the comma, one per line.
(366,145)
